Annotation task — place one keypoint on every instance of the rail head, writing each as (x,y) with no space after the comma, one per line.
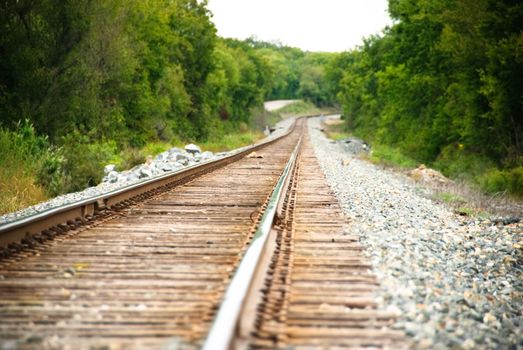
(25,228)
(224,326)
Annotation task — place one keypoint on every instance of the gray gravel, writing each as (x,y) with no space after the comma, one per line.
(171,160)
(354,145)
(457,282)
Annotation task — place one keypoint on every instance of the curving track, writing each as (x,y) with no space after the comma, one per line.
(317,290)
(153,273)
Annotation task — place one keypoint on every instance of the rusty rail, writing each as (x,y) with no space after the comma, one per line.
(222,331)
(313,287)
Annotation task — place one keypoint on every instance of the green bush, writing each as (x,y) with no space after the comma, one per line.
(23,157)
(51,173)
(84,161)
(391,156)
(129,158)
(510,181)
(456,163)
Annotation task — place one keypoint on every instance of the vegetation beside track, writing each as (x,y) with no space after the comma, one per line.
(462,195)
(442,86)
(33,169)
(111,82)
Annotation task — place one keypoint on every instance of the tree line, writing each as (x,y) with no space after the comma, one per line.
(444,84)
(83,82)
(121,70)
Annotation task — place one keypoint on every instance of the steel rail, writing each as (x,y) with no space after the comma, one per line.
(222,331)
(15,231)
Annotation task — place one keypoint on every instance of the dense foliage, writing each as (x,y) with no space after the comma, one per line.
(444,84)
(297,74)
(102,80)
(93,82)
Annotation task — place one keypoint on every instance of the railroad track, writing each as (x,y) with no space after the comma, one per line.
(246,252)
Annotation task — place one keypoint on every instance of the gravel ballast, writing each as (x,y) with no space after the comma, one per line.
(456,282)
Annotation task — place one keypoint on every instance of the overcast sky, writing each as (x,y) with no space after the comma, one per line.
(313,25)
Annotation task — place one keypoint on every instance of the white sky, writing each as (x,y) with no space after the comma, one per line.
(313,25)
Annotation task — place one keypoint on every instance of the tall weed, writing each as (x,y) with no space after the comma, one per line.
(84,161)
(23,155)
(499,181)
(391,156)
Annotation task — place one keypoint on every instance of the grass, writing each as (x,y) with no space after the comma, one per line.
(156,147)
(18,190)
(465,211)
(472,212)
(335,130)
(232,141)
(460,204)
(22,155)
(449,197)
(467,199)
(336,136)
(301,109)
(383,154)
(503,181)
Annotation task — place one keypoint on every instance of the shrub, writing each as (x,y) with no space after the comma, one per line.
(391,156)
(130,157)
(456,163)
(23,154)
(84,161)
(51,173)
(510,181)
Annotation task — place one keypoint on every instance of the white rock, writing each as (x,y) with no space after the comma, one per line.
(182,158)
(167,167)
(206,156)
(108,168)
(112,177)
(162,156)
(145,172)
(132,177)
(192,148)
